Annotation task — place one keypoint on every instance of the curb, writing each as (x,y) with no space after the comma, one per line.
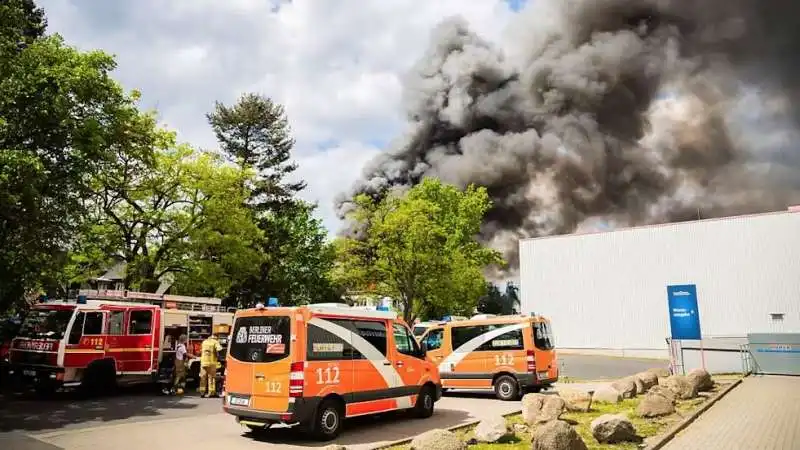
(666,437)
(453,428)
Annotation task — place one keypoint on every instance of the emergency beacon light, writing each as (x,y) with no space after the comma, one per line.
(272,302)
(81,300)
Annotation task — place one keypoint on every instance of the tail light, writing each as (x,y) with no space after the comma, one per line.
(297,377)
(531,358)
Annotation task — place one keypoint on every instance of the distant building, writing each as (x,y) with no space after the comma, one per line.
(113,279)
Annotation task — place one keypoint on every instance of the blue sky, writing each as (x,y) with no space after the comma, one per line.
(336,66)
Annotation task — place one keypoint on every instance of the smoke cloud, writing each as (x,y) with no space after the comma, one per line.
(606,113)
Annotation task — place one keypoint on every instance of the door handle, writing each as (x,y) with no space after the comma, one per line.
(387,363)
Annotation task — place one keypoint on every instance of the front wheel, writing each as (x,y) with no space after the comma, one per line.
(506,388)
(424,406)
(327,421)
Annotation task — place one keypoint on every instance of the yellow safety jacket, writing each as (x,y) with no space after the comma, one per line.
(208,352)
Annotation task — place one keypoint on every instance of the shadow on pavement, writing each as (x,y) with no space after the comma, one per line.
(65,409)
(369,429)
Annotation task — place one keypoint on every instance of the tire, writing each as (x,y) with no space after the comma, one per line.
(327,422)
(506,388)
(425,400)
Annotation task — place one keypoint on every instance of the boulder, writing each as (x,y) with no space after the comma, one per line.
(334,447)
(648,379)
(540,408)
(701,379)
(575,400)
(639,385)
(613,428)
(654,405)
(626,387)
(664,392)
(437,439)
(683,388)
(557,435)
(491,429)
(660,372)
(607,394)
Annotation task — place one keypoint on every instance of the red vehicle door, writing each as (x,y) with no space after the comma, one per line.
(140,344)
(86,340)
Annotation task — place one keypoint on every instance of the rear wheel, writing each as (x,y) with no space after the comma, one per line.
(424,407)
(506,388)
(327,421)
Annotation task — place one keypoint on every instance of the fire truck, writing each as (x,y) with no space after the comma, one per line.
(106,338)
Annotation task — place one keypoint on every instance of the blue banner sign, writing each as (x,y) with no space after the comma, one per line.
(684,316)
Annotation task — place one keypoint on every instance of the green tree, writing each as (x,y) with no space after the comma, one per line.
(183,216)
(61,118)
(420,248)
(500,302)
(255,133)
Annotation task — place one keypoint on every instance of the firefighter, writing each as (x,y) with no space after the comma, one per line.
(210,348)
(180,365)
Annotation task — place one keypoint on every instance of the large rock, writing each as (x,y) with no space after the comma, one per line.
(437,439)
(660,372)
(557,435)
(491,429)
(701,380)
(648,379)
(607,394)
(664,392)
(613,428)
(626,387)
(540,408)
(334,447)
(576,400)
(683,388)
(654,405)
(640,389)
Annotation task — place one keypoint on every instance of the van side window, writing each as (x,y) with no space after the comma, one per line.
(115,321)
(323,345)
(372,332)
(433,341)
(140,322)
(462,335)
(76,331)
(511,340)
(404,341)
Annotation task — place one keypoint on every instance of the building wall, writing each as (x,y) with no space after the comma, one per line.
(606,292)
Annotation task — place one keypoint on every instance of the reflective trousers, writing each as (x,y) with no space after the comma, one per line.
(208,380)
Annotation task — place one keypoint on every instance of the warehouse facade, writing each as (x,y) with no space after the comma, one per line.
(606,292)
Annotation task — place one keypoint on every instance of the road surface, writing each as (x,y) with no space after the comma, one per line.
(138,418)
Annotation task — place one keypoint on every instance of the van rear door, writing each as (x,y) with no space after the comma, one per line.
(546,367)
(260,362)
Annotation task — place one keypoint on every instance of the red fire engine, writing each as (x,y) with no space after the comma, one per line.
(110,337)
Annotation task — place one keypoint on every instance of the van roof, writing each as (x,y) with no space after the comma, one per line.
(331,309)
(498,319)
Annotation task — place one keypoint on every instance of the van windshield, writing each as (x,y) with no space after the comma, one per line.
(45,324)
(260,339)
(542,336)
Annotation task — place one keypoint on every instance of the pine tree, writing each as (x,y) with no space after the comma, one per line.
(255,133)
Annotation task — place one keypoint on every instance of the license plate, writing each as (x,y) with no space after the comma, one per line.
(238,401)
(29,373)
(541,375)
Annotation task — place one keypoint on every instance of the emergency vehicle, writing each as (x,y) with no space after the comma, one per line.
(318,364)
(108,337)
(507,354)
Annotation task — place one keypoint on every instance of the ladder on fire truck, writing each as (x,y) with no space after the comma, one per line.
(165,301)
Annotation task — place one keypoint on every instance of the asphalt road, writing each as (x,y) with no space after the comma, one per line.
(138,418)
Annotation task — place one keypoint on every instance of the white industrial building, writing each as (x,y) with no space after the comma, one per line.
(606,292)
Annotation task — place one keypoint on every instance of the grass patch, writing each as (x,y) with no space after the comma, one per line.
(645,428)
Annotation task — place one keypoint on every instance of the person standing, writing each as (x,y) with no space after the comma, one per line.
(210,348)
(180,365)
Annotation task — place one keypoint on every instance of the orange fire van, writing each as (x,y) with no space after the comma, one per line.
(508,354)
(318,364)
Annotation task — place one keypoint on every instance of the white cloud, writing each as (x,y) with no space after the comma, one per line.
(337,66)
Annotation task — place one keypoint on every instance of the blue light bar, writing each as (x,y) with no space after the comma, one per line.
(382,308)
(447,319)
(81,300)
(273,301)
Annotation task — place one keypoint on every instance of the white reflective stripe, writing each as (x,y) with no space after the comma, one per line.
(461,352)
(404,402)
(297,376)
(374,356)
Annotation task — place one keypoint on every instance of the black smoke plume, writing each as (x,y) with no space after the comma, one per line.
(607,113)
